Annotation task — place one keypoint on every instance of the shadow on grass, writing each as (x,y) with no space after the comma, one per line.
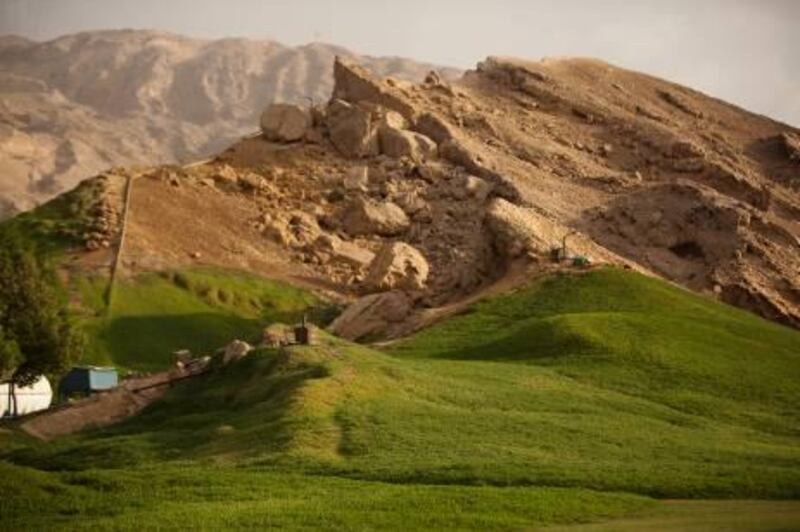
(146,342)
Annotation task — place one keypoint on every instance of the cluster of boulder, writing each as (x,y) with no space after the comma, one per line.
(411,179)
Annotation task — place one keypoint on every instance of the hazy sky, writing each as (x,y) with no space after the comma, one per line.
(744,51)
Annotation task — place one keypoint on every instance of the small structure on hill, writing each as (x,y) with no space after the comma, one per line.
(87,380)
(280,335)
(305,334)
(20,400)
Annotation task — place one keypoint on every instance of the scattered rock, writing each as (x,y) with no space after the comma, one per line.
(397,143)
(684,149)
(398,266)
(791,143)
(283,122)
(345,252)
(252,182)
(411,202)
(235,351)
(277,335)
(357,179)
(365,216)
(477,188)
(372,315)
(225,175)
(278,231)
(303,227)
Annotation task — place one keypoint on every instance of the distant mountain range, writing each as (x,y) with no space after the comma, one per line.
(76,105)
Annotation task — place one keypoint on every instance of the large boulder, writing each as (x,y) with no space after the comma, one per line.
(519,229)
(344,252)
(283,122)
(398,266)
(365,216)
(396,142)
(354,83)
(372,315)
(351,129)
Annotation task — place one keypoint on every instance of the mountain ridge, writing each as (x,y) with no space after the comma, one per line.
(73,106)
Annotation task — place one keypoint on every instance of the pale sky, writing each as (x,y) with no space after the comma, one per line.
(743,51)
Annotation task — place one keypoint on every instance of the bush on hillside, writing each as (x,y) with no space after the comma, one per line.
(36,336)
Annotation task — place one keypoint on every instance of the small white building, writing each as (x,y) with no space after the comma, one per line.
(33,398)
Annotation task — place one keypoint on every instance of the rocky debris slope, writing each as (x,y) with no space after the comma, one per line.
(76,105)
(404,197)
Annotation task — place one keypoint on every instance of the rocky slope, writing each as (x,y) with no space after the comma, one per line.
(74,106)
(414,198)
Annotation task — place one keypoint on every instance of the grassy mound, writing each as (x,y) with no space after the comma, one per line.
(573,399)
(200,309)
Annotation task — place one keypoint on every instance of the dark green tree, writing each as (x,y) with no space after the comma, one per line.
(36,335)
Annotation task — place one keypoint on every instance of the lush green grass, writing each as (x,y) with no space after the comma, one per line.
(200,309)
(61,222)
(213,498)
(571,400)
(705,516)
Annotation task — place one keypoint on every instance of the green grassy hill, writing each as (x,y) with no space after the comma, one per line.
(577,398)
(199,309)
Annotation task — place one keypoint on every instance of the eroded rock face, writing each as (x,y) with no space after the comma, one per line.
(372,315)
(365,216)
(398,266)
(283,122)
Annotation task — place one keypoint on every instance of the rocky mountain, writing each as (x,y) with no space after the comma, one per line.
(76,105)
(411,199)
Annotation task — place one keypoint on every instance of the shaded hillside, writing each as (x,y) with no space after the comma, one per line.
(78,104)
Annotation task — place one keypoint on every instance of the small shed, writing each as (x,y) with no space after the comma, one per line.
(86,380)
(25,399)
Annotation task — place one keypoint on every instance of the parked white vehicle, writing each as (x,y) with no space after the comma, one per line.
(33,398)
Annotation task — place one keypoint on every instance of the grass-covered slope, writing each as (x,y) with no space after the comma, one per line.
(638,336)
(570,400)
(201,309)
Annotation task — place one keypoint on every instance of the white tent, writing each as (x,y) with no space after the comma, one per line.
(33,398)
